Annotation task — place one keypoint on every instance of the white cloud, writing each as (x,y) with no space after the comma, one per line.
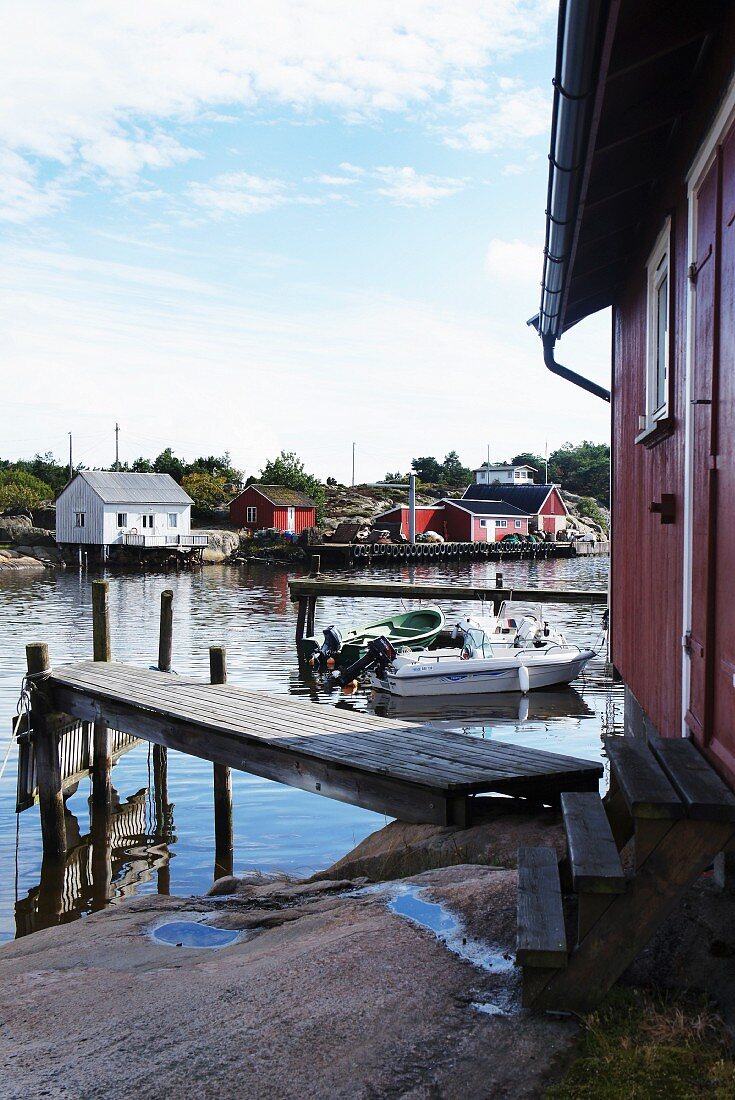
(508,119)
(97,87)
(238,193)
(22,196)
(514,261)
(405,187)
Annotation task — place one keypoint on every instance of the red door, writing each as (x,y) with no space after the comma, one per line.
(711,714)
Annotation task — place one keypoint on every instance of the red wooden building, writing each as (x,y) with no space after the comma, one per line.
(260,506)
(542,503)
(462,520)
(641,217)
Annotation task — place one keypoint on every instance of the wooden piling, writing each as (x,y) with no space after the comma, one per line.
(498,580)
(101,740)
(46,747)
(224,839)
(316,564)
(301,618)
(166,631)
(310,615)
(165,653)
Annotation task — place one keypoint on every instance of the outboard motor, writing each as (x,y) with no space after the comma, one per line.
(330,647)
(379,655)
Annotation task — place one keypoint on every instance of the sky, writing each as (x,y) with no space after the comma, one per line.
(281,225)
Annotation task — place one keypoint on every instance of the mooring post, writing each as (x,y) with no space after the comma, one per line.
(166,632)
(301,618)
(46,748)
(498,580)
(165,653)
(310,615)
(224,839)
(316,564)
(101,741)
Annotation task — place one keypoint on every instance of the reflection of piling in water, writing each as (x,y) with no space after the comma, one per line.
(224,842)
(160,753)
(102,651)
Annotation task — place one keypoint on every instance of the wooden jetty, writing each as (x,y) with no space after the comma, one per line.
(342,554)
(307,590)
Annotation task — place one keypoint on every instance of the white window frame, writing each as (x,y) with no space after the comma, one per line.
(501,523)
(658,270)
(147,521)
(519,524)
(483,523)
(79,519)
(251,513)
(122,519)
(173,519)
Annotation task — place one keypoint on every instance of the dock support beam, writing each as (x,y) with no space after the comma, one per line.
(101,651)
(301,618)
(46,747)
(224,841)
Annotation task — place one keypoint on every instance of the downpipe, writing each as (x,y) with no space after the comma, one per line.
(570,375)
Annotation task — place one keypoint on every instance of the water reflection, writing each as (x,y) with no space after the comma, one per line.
(112,860)
(481,710)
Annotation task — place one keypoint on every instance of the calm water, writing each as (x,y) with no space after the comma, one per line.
(276,827)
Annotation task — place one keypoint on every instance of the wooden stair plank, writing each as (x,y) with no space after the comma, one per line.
(593,857)
(700,788)
(542,940)
(644,786)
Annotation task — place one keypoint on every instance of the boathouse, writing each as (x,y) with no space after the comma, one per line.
(641,218)
(543,504)
(462,520)
(100,508)
(261,506)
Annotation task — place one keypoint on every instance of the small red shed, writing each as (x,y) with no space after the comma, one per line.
(260,506)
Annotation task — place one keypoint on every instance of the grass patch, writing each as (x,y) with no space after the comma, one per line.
(651,1046)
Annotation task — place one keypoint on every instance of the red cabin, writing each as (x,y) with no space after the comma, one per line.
(642,218)
(260,506)
(462,520)
(542,503)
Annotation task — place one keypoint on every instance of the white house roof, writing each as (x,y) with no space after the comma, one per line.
(118,488)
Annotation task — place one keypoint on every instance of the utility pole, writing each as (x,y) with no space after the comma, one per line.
(546,462)
(353,465)
(412,508)
(71,463)
(117,445)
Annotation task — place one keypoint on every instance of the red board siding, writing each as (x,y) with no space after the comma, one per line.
(647,556)
(268,515)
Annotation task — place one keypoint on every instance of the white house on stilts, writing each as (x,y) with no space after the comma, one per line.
(101,509)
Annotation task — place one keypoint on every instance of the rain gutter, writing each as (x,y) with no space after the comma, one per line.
(582,24)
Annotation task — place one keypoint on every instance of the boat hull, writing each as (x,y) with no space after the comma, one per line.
(479,676)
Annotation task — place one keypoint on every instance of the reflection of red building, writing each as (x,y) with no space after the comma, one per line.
(462,520)
(642,218)
(261,506)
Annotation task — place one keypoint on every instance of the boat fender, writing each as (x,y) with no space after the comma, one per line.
(524,680)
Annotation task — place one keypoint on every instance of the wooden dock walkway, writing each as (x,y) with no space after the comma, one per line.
(307,590)
(413,772)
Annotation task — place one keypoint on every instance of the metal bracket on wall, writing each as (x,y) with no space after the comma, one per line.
(665,508)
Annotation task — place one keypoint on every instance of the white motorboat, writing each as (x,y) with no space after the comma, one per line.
(517,625)
(484,666)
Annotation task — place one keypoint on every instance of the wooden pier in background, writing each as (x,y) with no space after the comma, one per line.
(306,591)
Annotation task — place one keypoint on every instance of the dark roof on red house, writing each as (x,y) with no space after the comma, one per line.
(484,507)
(282,497)
(529,498)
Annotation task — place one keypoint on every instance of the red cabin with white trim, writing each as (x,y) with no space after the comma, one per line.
(261,506)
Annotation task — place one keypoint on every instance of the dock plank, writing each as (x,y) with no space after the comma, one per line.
(702,791)
(415,772)
(646,790)
(542,939)
(399,590)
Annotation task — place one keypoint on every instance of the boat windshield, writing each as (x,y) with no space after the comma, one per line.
(513,612)
(478,642)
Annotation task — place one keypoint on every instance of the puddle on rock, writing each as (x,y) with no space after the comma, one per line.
(191,933)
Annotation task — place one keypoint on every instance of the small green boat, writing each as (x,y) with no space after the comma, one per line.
(415,629)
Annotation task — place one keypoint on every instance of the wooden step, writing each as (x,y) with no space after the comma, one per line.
(593,857)
(705,796)
(542,940)
(647,791)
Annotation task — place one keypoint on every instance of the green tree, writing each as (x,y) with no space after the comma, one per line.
(427,469)
(168,463)
(19,489)
(528,459)
(218,465)
(453,473)
(588,508)
(583,468)
(206,490)
(141,466)
(288,470)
